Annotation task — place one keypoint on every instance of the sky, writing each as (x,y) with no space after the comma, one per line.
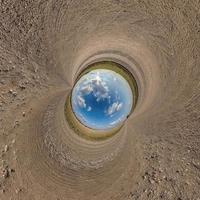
(101,99)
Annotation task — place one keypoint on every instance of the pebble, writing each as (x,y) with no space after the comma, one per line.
(5,173)
(2,191)
(18,190)
(6,148)
(14,93)
(36,69)
(160,170)
(151,181)
(11,91)
(164,177)
(10,170)
(13,141)
(145,190)
(23,114)
(22,87)
(16,123)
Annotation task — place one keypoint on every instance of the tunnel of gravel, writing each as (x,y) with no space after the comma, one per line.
(155,154)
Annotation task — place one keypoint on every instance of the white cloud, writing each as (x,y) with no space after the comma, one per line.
(113,123)
(116,106)
(118,120)
(100,89)
(89,109)
(119,106)
(81,102)
(87,89)
(97,86)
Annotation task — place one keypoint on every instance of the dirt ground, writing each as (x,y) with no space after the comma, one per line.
(155,156)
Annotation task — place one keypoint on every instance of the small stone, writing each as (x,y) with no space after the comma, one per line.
(2,191)
(35,69)
(149,193)
(144,177)
(187,183)
(160,170)
(22,87)
(131,194)
(18,190)
(151,181)
(23,114)
(10,170)
(5,173)
(13,141)
(14,93)
(145,190)
(16,123)
(6,148)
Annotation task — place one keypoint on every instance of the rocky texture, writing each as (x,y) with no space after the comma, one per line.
(42,43)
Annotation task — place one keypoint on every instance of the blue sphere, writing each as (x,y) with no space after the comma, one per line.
(102,99)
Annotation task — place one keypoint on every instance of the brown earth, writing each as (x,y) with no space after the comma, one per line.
(43,45)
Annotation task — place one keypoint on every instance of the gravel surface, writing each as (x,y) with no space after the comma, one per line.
(42,46)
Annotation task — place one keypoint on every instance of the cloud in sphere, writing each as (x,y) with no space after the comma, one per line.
(86,89)
(116,106)
(89,108)
(81,101)
(96,86)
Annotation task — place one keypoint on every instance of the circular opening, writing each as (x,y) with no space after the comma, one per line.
(103,96)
